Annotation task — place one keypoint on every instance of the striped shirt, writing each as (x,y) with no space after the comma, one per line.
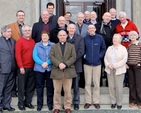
(134,54)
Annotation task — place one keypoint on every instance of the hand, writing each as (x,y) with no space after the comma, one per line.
(22,71)
(127,67)
(111,66)
(45,65)
(62,66)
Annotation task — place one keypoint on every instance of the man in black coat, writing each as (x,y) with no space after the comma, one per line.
(43,24)
(78,42)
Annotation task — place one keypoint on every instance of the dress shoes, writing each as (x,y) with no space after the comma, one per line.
(39,108)
(21,108)
(50,108)
(9,109)
(113,106)
(119,107)
(86,106)
(97,106)
(76,106)
(30,106)
(68,111)
(56,111)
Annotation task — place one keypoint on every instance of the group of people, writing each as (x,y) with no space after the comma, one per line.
(55,53)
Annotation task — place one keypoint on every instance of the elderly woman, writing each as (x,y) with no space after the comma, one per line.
(115,65)
(134,70)
(42,68)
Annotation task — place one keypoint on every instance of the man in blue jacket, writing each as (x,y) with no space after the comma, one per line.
(94,50)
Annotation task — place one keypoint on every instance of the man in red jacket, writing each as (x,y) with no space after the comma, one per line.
(26,84)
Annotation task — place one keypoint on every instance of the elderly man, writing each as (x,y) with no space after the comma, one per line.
(26,82)
(93,17)
(43,24)
(7,68)
(62,56)
(87,19)
(78,43)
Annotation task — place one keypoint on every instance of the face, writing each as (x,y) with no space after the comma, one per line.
(67,16)
(50,9)
(87,16)
(7,33)
(62,36)
(91,29)
(80,18)
(93,16)
(122,18)
(27,31)
(133,37)
(45,16)
(61,21)
(20,17)
(106,17)
(113,13)
(116,40)
(71,29)
(45,37)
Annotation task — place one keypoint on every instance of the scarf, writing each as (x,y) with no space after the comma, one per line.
(102,29)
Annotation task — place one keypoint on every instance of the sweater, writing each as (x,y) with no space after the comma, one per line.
(23,51)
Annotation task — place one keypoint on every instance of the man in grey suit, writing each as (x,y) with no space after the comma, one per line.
(7,67)
(81,28)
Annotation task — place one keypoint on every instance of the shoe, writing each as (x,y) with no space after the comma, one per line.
(9,109)
(139,106)
(30,106)
(97,106)
(131,104)
(113,106)
(76,106)
(14,94)
(68,111)
(119,107)
(63,107)
(50,108)
(86,106)
(21,108)
(56,111)
(39,108)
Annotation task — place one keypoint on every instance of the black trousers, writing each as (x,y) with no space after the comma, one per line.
(26,86)
(40,82)
(6,85)
(134,77)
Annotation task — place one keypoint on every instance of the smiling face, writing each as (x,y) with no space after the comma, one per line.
(91,29)
(71,29)
(26,31)
(20,17)
(45,37)
(116,39)
(62,36)
(133,35)
(107,17)
(45,16)
(7,33)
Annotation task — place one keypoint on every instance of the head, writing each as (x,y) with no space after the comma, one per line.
(45,16)
(68,16)
(61,21)
(106,17)
(45,36)
(112,11)
(93,15)
(91,29)
(26,29)
(133,35)
(80,18)
(62,36)
(71,29)
(6,31)
(20,16)
(122,17)
(117,39)
(50,7)
(87,15)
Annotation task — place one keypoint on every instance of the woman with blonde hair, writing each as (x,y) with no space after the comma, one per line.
(115,65)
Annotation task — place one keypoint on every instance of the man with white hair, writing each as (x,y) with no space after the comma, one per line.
(93,17)
(87,19)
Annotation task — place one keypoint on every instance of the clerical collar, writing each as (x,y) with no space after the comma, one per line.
(7,38)
(62,43)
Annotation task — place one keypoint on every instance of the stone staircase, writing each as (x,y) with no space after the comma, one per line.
(104,102)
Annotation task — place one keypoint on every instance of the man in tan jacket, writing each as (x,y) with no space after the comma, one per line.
(62,56)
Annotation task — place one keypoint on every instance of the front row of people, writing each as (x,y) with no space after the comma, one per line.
(65,59)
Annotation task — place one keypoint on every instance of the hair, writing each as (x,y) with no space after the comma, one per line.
(49,4)
(19,11)
(26,26)
(45,32)
(87,12)
(118,35)
(80,13)
(68,13)
(4,28)
(133,32)
(122,13)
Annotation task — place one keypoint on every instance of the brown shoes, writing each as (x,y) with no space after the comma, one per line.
(97,106)
(131,104)
(68,111)
(86,106)
(56,111)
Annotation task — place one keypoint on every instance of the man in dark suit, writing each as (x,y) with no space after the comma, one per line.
(7,68)
(43,24)
(62,56)
(68,17)
(78,43)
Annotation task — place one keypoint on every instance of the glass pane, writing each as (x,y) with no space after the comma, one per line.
(74,10)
